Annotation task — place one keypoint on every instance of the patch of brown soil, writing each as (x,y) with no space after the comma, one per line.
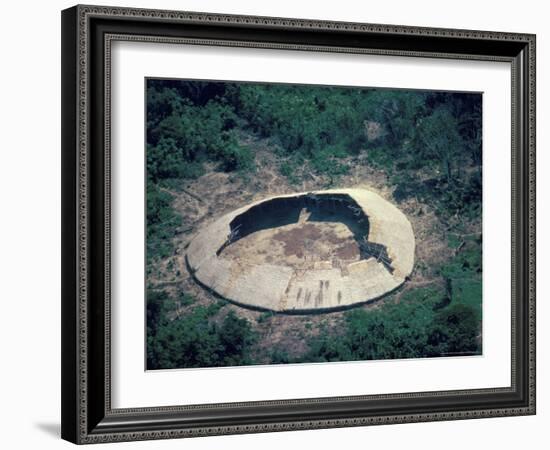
(348,251)
(296,245)
(297,241)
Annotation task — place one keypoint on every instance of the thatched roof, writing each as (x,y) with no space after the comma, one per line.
(282,288)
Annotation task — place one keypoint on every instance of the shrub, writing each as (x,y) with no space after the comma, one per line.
(418,326)
(162,222)
(192,340)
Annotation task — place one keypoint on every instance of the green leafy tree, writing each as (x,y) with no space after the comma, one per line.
(454,331)
(162,222)
(440,140)
(194,340)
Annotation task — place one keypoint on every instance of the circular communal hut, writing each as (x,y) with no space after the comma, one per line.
(308,281)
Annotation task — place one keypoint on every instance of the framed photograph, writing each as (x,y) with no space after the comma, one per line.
(280,224)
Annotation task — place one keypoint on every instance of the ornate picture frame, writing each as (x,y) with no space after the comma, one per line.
(88,33)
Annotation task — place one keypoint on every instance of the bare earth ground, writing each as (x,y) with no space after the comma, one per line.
(203,200)
(297,245)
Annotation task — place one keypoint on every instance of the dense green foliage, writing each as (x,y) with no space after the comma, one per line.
(162,221)
(415,327)
(194,340)
(317,129)
(463,276)
(181,135)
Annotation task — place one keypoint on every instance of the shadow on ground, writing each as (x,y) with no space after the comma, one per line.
(53,429)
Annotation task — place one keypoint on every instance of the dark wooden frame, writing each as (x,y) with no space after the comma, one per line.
(87,32)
